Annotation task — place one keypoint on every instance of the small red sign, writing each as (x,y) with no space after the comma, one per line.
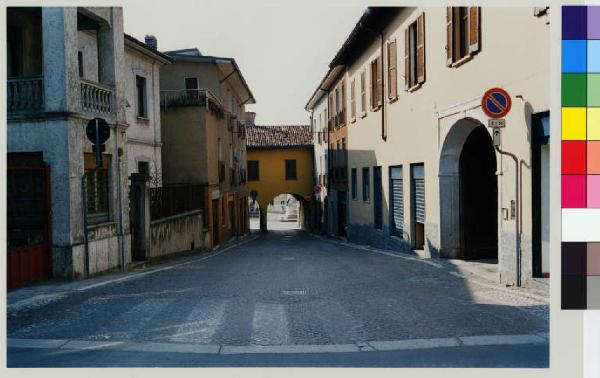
(496,103)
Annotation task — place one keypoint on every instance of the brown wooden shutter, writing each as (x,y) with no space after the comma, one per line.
(373,84)
(392,71)
(474,29)
(379,80)
(406,59)
(449,35)
(353,99)
(421,48)
(363,91)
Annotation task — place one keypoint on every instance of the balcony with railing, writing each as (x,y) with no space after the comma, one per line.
(96,97)
(25,94)
(192,97)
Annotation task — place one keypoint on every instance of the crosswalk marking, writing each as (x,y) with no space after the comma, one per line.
(201,323)
(270,325)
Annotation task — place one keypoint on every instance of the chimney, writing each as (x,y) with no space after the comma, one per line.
(151,42)
(250,116)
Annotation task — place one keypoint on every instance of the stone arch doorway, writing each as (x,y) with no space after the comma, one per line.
(271,210)
(468,193)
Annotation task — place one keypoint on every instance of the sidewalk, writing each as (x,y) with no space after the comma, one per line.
(42,293)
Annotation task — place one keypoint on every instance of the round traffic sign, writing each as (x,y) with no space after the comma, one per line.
(496,103)
(103,131)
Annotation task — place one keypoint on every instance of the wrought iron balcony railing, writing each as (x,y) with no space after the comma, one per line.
(192,97)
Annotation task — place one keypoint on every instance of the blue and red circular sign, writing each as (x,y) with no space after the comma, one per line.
(496,103)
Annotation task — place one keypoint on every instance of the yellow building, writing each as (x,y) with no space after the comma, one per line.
(280,160)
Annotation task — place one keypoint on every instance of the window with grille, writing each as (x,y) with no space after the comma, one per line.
(290,170)
(97,189)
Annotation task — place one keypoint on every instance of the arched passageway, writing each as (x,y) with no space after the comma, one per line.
(468,193)
(285,211)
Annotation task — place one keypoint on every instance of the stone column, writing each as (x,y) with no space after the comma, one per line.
(449,215)
(263,219)
(60,69)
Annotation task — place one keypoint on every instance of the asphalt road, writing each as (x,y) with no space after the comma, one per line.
(253,304)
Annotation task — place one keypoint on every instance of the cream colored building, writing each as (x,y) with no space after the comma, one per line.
(423,172)
(142,68)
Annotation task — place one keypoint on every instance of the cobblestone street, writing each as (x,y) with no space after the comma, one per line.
(284,293)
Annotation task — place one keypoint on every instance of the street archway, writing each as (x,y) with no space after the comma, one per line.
(468,193)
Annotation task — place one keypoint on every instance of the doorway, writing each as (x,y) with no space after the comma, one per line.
(215,222)
(138,216)
(478,197)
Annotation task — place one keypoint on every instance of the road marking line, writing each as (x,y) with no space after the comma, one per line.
(201,323)
(270,325)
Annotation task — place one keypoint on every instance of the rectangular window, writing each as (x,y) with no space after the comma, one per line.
(80,63)
(366,187)
(342,104)
(253,170)
(363,92)
(290,170)
(376,83)
(414,53)
(191,86)
(392,54)
(396,201)
(463,31)
(96,188)
(144,167)
(140,84)
(354,184)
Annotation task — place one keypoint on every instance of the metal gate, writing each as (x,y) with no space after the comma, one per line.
(397,208)
(28,224)
(418,187)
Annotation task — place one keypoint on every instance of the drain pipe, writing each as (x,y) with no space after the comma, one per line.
(382,66)
(517,211)
(119,152)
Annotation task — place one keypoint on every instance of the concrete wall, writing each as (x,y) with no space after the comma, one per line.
(183,232)
(421,122)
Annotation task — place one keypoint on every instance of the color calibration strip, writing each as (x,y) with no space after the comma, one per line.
(580,255)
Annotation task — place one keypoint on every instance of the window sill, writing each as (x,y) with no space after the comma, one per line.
(363,114)
(143,119)
(414,87)
(353,120)
(376,108)
(100,224)
(462,60)
(392,100)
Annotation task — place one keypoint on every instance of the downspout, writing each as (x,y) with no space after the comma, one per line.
(119,199)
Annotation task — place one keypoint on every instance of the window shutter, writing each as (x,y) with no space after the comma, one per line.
(474,29)
(392,71)
(406,60)
(379,80)
(449,34)
(353,99)
(421,48)
(373,84)
(363,91)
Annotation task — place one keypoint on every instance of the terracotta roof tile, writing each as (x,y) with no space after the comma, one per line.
(279,136)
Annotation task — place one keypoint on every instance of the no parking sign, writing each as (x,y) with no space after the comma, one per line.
(496,103)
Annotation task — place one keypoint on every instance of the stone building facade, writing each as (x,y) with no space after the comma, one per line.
(49,105)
